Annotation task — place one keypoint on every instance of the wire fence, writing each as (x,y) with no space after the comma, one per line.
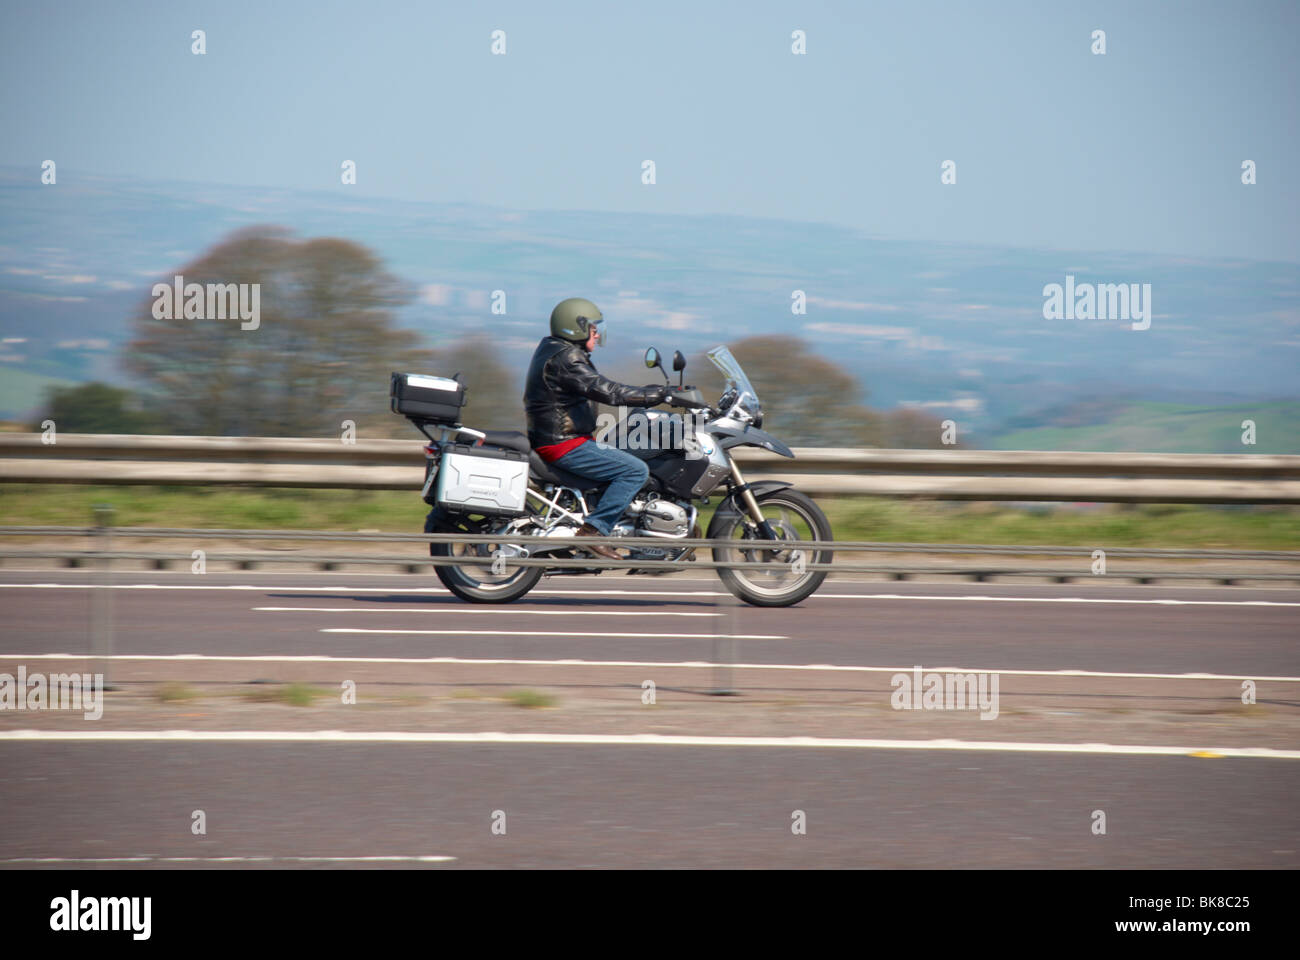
(728,554)
(863,546)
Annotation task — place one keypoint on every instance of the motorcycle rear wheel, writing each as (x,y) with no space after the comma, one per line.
(476,583)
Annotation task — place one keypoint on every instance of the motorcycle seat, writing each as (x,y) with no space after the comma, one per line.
(508,439)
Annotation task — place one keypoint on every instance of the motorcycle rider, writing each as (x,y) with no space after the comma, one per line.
(559,392)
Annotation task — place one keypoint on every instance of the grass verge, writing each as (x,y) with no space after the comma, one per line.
(852,518)
(175,693)
(529,699)
(290,694)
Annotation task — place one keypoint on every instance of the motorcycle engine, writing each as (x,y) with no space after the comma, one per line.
(657,518)
(663,517)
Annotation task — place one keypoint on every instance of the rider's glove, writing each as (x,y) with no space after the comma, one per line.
(656,393)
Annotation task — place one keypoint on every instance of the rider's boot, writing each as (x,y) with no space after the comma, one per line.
(599,549)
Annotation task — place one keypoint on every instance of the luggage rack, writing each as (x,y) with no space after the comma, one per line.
(444,429)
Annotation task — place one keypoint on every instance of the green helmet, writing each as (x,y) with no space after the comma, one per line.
(573,319)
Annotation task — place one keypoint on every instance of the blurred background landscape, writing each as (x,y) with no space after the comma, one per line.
(898,334)
(776,173)
(797,148)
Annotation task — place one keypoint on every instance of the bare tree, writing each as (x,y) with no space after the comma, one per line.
(909,428)
(494,398)
(807,399)
(321,354)
(811,401)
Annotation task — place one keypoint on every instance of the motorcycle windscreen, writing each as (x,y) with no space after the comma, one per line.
(721,358)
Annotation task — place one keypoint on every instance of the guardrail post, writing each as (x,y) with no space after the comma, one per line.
(102,605)
(725,647)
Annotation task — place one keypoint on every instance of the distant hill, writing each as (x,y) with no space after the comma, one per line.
(957,330)
(1169,428)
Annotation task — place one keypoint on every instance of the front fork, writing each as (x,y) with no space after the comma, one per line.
(751,503)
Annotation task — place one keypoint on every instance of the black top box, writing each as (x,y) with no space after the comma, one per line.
(427,398)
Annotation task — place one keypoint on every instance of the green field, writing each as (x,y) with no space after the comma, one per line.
(1170,428)
(852,518)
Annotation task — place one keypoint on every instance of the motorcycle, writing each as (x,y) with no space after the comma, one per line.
(492,483)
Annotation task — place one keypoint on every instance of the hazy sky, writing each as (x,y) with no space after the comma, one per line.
(1139,149)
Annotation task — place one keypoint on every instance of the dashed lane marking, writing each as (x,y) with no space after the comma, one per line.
(381,859)
(516,611)
(560,633)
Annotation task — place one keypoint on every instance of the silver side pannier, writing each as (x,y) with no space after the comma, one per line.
(487,480)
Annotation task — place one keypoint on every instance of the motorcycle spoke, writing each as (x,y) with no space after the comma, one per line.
(790,526)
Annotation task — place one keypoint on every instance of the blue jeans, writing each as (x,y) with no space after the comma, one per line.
(624,473)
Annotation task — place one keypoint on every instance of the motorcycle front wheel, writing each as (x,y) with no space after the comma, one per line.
(478,583)
(793,516)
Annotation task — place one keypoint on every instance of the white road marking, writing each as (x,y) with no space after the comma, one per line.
(639,739)
(276,588)
(264,588)
(654,664)
(395,859)
(657,593)
(516,611)
(561,633)
(1155,601)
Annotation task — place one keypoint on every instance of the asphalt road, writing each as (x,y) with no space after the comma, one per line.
(636,805)
(643,806)
(1155,629)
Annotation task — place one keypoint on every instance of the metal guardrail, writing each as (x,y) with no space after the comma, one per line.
(977,571)
(939,474)
(151,447)
(212,533)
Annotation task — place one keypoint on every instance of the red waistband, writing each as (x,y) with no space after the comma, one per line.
(553,451)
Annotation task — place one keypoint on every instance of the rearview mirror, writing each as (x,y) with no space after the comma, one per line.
(679,361)
(652,358)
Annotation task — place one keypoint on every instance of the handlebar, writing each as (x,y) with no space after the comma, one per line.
(675,399)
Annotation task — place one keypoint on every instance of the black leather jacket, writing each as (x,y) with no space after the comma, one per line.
(561,385)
